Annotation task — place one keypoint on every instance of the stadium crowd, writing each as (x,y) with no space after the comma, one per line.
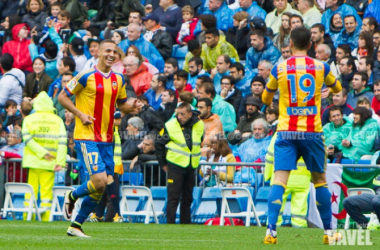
(232,47)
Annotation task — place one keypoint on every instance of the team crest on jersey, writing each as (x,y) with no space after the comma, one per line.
(114,85)
(95,167)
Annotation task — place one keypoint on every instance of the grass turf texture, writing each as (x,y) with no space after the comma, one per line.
(40,235)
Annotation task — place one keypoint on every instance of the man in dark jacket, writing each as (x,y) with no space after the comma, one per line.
(178,153)
(131,138)
(318,36)
(243,130)
(162,40)
(152,121)
(106,12)
(124,7)
(229,93)
(168,104)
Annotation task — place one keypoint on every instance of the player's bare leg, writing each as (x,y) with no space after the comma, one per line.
(274,204)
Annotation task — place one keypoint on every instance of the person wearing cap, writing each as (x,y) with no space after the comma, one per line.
(257,88)
(262,47)
(273,19)
(93,46)
(76,48)
(252,8)
(243,130)
(162,40)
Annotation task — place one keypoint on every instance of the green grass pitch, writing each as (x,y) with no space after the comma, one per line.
(16,235)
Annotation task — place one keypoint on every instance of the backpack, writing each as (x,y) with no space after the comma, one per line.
(77,11)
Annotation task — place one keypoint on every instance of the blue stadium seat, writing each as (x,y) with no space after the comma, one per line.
(261,203)
(347,161)
(160,196)
(208,206)
(82,32)
(135,179)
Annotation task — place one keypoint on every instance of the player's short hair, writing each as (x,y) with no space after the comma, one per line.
(363,75)
(106,41)
(172,61)
(319,26)
(212,31)
(197,60)
(300,37)
(335,108)
(186,106)
(68,61)
(136,122)
(238,66)
(261,121)
(181,74)
(188,8)
(207,101)
(162,78)
(229,78)
(64,13)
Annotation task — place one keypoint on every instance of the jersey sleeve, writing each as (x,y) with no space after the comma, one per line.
(122,95)
(271,87)
(76,85)
(330,79)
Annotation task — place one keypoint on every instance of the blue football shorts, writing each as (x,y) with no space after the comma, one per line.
(291,145)
(95,157)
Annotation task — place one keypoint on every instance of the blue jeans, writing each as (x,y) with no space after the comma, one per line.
(357,205)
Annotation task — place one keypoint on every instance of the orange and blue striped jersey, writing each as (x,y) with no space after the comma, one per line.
(96,95)
(299,81)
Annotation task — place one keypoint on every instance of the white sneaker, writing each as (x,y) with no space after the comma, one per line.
(69,206)
(78,232)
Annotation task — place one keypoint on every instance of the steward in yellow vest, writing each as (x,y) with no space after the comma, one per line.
(298,187)
(45,138)
(178,150)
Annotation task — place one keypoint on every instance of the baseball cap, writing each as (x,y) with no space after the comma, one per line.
(257,22)
(253,101)
(77,45)
(153,17)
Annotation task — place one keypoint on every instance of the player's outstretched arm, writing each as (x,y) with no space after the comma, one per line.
(66,102)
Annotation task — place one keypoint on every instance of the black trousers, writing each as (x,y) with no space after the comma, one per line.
(180,188)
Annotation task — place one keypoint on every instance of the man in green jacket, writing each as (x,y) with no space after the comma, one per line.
(336,130)
(45,150)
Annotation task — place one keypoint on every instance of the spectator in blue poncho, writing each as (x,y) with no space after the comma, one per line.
(146,48)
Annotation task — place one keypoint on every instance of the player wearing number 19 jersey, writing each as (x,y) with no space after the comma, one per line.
(299,81)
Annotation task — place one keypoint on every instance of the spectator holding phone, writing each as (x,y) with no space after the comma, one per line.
(36,17)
